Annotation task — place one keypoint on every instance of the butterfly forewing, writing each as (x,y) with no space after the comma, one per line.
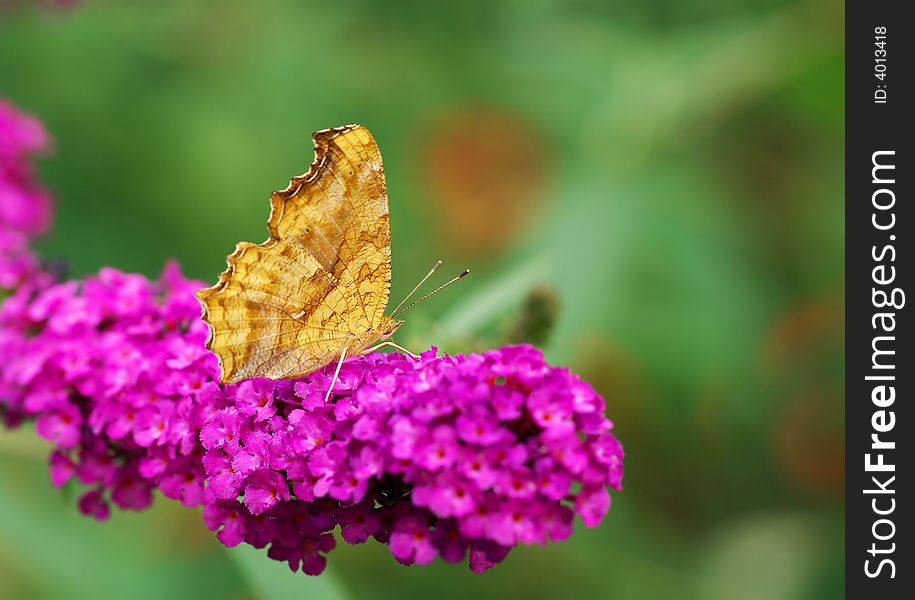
(288,306)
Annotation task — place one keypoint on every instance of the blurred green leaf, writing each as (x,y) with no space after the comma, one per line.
(47,547)
(272,580)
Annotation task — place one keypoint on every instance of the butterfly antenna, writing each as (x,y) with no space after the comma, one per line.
(434,268)
(438,289)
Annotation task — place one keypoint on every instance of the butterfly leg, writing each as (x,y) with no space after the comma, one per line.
(336,375)
(391,344)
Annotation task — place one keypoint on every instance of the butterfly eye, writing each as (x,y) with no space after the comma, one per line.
(394,326)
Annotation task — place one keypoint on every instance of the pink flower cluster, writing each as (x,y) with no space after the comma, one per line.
(25,207)
(433,456)
(115,374)
(436,456)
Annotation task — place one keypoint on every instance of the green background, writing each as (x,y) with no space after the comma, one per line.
(669,172)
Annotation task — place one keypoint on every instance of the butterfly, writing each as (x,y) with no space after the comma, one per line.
(316,290)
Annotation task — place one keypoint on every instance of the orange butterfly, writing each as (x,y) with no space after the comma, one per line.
(318,287)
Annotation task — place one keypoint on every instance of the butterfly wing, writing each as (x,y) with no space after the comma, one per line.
(286,308)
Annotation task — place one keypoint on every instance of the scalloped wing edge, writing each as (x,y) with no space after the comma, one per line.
(321,139)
